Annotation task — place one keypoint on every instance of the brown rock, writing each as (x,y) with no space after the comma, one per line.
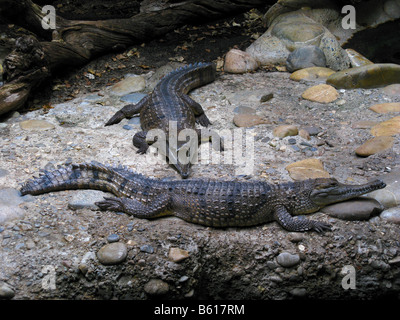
(177,254)
(304,134)
(375,145)
(386,107)
(322,93)
(365,124)
(36,125)
(392,90)
(387,128)
(248,120)
(311,74)
(237,61)
(285,131)
(307,169)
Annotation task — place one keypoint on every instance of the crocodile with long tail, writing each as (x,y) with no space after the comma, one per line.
(169,106)
(213,203)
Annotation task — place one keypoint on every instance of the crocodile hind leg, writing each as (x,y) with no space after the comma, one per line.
(154,209)
(127,111)
(198,111)
(284,218)
(139,141)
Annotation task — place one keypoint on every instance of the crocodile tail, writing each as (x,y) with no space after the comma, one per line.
(80,176)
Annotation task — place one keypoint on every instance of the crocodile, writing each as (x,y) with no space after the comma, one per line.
(213,203)
(170,106)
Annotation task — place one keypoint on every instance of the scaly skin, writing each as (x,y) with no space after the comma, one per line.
(168,103)
(211,203)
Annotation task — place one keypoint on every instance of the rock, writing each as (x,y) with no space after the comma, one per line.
(156,287)
(285,131)
(268,50)
(312,74)
(6,292)
(391,215)
(304,134)
(369,76)
(386,107)
(392,90)
(248,120)
(133,98)
(307,169)
(298,292)
(244,110)
(3,173)
(85,199)
(375,145)
(357,59)
(358,209)
(321,93)
(305,57)
(147,248)
(160,73)
(364,124)
(237,61)
(287,260)
(112,253)
(387,128)
(390,195)
(177,254)
(132,83)
(289,31)
(295,236)
(313,131)
(113,238)
(266,97)
(36,125)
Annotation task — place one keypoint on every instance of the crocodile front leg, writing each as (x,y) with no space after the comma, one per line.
(154,209)
(127,111)
(284,218)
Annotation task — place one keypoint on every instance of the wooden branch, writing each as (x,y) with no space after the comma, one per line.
(77,42)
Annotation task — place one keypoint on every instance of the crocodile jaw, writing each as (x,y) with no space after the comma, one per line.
(328,191)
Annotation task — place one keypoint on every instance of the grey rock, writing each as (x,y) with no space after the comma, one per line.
(3,173)
(305,57)
(287,260)
(85,199)
(6,292)
(298,292)
(134,121)
(391,215)
(359,209)
(133,97)
(156,287)
(244,110)
(147,248)
(113,238)
(112,253)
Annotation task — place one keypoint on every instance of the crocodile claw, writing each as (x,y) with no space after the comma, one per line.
(321,226)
